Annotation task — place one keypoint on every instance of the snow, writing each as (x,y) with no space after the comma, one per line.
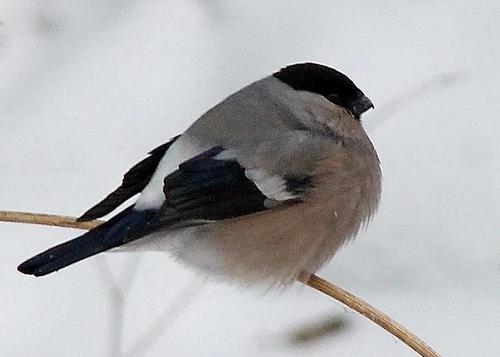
(88,88)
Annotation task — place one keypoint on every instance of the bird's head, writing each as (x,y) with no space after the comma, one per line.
(327,82)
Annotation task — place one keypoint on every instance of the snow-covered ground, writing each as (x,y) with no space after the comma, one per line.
(88,87)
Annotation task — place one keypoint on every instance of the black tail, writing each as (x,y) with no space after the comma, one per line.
(127,226)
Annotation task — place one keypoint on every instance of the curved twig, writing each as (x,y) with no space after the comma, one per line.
(315,282)
(371,313)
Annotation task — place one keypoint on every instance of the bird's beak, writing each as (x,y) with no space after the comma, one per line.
(361,106)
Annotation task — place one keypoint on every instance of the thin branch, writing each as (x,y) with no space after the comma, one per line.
(46,220)
(313,281)
(117,298)
(116,308)
(371,313)
(166,318)
(411,95)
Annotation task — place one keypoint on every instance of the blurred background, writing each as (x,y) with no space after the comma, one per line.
(87,88)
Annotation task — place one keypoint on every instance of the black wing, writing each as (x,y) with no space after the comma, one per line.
(207,188)
(203,188)
(134,181)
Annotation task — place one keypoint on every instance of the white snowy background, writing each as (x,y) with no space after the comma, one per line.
(87,88)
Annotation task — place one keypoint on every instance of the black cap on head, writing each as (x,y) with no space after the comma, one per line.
(326,81)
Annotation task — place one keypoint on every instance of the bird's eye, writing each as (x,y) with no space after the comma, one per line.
(334,98)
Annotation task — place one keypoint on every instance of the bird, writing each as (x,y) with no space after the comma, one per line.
(262,189)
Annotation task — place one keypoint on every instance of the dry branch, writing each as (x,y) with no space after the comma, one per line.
(46,220)
(313,281)
(371,313)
